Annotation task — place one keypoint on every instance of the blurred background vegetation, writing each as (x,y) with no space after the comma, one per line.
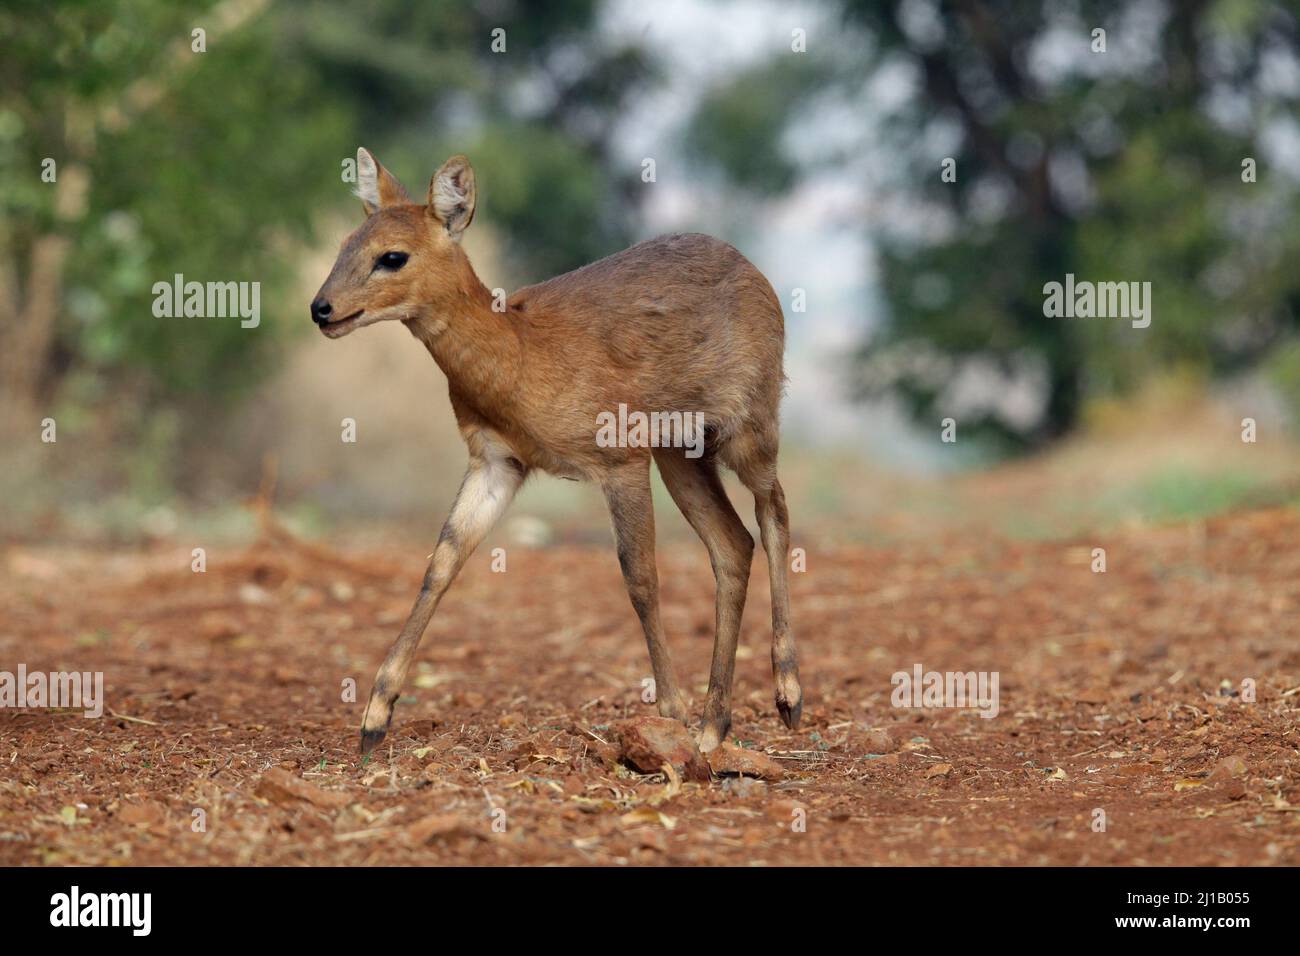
(820,158)
(1115,165)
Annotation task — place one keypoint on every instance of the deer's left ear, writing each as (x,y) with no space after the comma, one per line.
(451,195)
(376,186)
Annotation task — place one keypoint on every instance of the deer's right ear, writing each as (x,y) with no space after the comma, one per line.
(452,195)
(376,186)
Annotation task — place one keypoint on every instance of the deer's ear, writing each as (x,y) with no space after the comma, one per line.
(451,195)
(376,186)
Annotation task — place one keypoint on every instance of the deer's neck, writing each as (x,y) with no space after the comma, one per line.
(478,349)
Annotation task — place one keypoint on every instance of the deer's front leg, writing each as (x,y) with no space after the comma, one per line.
(627,491)
(486,491)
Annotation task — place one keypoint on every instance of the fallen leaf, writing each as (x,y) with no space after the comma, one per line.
(647,815)
(674,782)
(593,804)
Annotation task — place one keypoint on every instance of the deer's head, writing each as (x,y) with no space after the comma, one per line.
(404,260)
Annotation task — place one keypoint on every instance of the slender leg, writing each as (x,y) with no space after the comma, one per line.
(627,492)
(697,490)
(486,491)
(753,455)
(774,528)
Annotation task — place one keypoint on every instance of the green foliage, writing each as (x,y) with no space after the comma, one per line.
(1284,373)
(740,124)
(546,196)
(1177,494)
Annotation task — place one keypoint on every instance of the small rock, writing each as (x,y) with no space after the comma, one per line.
(280,786)
(647,743)
(597,749)
(1233,789)
(1229,777)
(144,815)
(878,741)
(1229,768)
(607,755)
(744,788)
(729,759)
(440,826)
(218,627)
(250,593)
(786,812)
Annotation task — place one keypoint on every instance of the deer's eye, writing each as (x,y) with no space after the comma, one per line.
(391,261)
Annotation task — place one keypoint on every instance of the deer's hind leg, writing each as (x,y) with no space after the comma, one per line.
(753,457)
(697,489)
(627,492)
(774,528)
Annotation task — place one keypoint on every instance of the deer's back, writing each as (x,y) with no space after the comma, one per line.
(680,322)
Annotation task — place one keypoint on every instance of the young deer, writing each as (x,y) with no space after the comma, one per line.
(680,323)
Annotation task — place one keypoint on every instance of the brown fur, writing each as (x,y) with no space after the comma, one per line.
(680,323)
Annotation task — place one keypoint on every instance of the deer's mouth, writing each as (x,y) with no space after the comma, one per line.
(343,326)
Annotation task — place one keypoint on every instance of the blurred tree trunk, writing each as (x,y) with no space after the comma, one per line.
(31,308)
(27,329)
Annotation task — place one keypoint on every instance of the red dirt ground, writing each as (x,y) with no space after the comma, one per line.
(1119,691)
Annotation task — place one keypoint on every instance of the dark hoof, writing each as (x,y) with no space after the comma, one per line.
(790,715)
(370,739)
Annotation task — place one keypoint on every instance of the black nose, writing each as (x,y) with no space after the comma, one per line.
(321,311)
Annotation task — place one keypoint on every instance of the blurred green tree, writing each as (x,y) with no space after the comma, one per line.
(1123,165)
(214,164)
